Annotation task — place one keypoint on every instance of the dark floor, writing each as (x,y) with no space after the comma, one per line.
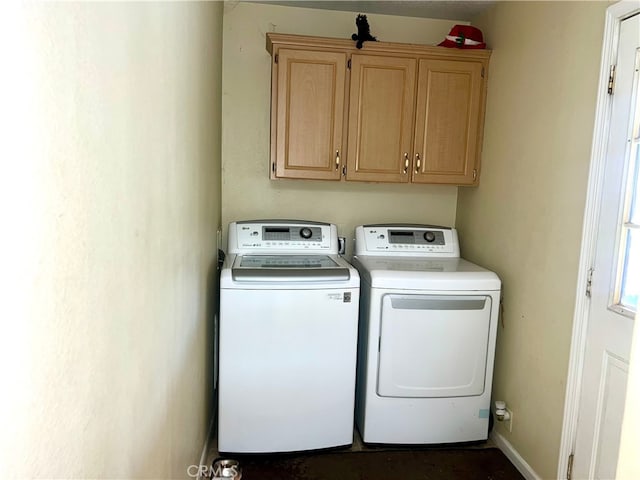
(480,460)
(372,464)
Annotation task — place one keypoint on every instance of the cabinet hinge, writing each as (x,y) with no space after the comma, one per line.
(349,64)
(275,58)
(612,79)
(570,467)
(273,167)
(589,280)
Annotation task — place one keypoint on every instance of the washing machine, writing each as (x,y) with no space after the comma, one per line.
(428,321)
(287,340)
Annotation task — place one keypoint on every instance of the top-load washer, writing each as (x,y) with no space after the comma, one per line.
(427,337)
(288,339)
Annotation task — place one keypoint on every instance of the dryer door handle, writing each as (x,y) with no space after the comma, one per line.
(437,302)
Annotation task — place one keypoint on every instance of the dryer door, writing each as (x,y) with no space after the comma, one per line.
(433,345)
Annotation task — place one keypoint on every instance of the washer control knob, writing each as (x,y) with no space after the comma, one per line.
(429,236)
(306,232)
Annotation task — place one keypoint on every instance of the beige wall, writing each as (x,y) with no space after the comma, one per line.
(525,219)
(109,202)
(247,191)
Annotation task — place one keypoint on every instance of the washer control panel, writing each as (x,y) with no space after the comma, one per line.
(280,236)
(288,233)
(407,240)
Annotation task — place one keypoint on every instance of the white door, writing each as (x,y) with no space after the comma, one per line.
(614,290)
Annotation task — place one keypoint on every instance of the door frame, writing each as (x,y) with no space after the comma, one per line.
(615,14)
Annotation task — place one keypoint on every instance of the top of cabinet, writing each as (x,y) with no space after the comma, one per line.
(376,48)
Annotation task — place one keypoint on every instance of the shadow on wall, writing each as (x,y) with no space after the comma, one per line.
(195,357)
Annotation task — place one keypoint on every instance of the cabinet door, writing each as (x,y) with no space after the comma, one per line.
(310,90)
(381,110)
(450,102)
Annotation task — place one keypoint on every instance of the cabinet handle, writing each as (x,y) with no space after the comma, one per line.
(406,163)
(337,159)
(475,174)
(418,163)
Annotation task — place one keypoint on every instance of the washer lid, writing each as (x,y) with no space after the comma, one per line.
(251,268)
(420,273)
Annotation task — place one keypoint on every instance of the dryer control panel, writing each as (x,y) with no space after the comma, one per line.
(407,240)
(278,236)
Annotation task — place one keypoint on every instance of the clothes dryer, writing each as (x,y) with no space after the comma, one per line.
(427,336)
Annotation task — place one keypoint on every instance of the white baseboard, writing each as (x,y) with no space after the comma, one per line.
(514,457)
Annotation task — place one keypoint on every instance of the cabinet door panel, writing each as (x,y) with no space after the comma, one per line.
(448,122)
(381,110)
(310,110)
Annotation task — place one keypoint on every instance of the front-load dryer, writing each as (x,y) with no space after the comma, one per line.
(427,337)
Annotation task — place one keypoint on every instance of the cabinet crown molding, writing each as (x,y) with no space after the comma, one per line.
(373,48)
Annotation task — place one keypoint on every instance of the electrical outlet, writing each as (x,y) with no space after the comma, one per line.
(509,423)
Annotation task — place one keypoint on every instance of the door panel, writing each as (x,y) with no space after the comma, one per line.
(447,121)
(433,346)
(380,118)
(310,104)
(609,411)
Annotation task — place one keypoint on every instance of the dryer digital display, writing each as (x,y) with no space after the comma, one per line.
(408,240)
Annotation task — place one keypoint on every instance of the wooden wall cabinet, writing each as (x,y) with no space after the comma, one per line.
(386,113)
(381,111)
(310,107)
(449,118)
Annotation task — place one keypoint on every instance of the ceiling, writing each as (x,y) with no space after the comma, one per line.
(448,9)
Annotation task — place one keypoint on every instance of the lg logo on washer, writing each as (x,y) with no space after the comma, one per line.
(344,297)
